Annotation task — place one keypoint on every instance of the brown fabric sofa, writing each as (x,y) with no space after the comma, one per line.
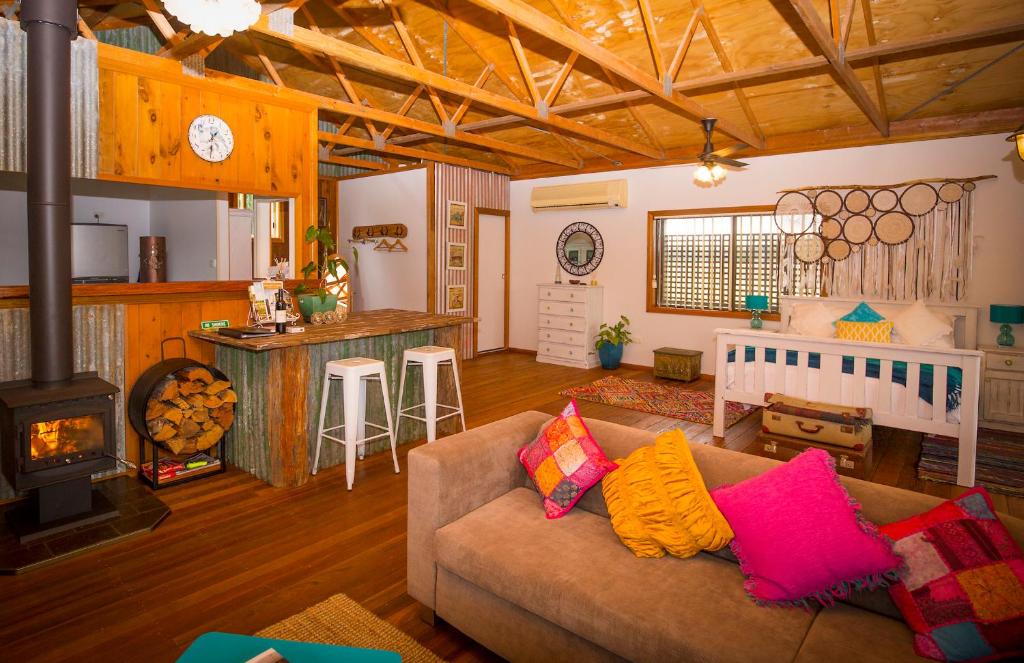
(484,558)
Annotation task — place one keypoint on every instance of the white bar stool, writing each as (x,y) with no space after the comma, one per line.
(430,357)
(354,374)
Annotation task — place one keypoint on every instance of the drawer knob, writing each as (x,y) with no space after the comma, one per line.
(570,351)
(1008,362)
(570,324)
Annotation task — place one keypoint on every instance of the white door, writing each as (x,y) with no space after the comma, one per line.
(491,283)
(240,245)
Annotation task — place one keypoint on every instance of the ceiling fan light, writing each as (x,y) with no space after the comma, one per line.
(703,174)
(717,173)
(215,17)
(1018,138)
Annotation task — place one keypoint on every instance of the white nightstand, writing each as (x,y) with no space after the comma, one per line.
(1002,389)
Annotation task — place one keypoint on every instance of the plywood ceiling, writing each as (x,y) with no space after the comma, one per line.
(541,87)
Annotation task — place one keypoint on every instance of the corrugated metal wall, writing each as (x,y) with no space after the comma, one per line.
(337,170)
(99,346)
(477,189)
(85,110)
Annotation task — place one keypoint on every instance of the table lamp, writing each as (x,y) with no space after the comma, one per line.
(756,304)
(1006,315)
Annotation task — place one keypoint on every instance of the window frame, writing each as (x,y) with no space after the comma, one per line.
(652,303)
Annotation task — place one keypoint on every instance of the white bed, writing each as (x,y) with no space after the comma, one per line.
(828,382)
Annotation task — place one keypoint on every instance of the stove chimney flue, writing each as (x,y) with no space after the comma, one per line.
(51,25)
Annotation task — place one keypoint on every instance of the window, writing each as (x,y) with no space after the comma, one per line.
(710,260)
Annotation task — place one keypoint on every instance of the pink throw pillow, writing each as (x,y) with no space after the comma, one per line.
(800,537)
(564,462)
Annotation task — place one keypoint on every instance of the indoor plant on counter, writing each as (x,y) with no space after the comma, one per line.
(611,340)
(320,301)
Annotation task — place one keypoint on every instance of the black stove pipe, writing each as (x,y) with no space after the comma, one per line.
(51,25)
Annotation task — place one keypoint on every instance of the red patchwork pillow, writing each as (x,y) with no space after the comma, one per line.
(963,590)
(564,462)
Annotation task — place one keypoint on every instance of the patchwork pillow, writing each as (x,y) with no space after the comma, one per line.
(871,332)
(657,501)
(799,537)
(917,325)
(564,461)
(963,590)
(863,313)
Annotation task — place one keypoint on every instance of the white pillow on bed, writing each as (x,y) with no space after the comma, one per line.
(918,325)
(813,319)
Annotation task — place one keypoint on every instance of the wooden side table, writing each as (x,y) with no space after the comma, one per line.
(1002,391)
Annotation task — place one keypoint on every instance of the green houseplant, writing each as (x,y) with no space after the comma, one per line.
(320,300)
(611,340)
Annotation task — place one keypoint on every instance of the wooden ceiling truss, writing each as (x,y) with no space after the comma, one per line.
(532,87)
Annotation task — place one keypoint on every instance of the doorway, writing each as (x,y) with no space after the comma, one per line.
(491,255)
(241,232)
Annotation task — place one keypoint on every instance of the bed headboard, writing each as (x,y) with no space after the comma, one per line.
(965,317)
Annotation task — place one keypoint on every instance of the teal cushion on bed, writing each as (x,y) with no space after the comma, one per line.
(863,313)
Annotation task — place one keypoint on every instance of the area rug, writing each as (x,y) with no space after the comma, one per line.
(667,400)
(341,621)
(1000,460)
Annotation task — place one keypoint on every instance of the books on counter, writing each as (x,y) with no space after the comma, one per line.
(169,468)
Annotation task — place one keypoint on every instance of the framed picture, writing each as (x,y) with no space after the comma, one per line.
(456,214)
(456,299)
(456,255)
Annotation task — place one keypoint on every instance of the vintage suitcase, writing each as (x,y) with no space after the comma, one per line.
(856,463)
(838,425)
(677,364)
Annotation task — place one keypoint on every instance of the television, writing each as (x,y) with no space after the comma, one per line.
(99,253)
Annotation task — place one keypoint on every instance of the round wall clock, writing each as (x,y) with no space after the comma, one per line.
(211,138)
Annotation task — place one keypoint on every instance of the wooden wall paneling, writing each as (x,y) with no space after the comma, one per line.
(159,136)
(125,120)
(262,155)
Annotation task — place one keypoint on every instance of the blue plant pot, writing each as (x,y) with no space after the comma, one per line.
(610,355)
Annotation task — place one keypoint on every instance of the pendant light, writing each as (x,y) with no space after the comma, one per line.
(215,17)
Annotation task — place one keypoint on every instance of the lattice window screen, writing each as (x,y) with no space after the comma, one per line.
(712,262)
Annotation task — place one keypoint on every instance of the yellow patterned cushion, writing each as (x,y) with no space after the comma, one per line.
(658,502)
(872,332)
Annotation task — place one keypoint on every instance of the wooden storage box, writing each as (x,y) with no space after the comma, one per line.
(677,364)
(856,463)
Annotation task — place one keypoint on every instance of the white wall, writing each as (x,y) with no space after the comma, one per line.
(382,279)
(188,219)
(999,232)
(115,203)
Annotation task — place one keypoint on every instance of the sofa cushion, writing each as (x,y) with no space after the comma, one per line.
(574,572)
(843,634)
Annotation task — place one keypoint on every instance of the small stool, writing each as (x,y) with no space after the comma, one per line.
(430,357)
(354,373)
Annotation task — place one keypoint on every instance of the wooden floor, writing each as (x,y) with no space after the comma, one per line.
(237,555)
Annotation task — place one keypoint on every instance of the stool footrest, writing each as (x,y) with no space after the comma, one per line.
(423,419)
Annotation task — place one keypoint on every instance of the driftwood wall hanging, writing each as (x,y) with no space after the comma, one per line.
(911,240)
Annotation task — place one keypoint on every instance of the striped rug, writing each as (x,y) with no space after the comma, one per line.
(1000,464)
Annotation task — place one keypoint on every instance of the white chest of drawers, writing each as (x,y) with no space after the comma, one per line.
(568,320)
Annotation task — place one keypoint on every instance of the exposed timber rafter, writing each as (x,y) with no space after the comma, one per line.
(428,155)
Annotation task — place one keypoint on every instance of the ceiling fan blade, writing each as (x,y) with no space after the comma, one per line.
(730,150)
(725,161)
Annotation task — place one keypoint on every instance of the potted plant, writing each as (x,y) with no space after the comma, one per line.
(320,300)
(611,340)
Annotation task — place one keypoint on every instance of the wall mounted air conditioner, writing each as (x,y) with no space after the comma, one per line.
(586,195)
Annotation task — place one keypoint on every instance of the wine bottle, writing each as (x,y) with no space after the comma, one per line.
(280,313)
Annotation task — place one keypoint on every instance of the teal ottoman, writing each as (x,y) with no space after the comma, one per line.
(232,648)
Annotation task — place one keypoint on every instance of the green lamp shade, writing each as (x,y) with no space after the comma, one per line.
(1007,315)
(757,302)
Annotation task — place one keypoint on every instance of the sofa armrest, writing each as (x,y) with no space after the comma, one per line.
(455,475)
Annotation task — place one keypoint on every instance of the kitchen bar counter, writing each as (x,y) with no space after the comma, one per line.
(279,380)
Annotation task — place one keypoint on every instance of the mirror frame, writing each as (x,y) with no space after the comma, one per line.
(563,259)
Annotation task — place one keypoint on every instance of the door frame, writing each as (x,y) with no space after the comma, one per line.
(476,268)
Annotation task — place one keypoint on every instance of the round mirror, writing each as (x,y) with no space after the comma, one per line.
(579,248)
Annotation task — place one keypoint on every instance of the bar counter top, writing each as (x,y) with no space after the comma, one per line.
(382,322)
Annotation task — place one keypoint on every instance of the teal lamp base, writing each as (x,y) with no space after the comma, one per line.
(757,323)
(1005,336)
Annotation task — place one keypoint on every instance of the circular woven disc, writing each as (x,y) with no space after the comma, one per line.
(950,192)
(838,250)
(828,202)
(857,229)
(857,201)
(794,213)
(894,228)
(809,248)
(969,186)
(884,200)
(918,199)
(830,229)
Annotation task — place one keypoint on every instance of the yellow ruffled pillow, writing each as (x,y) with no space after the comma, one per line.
(658,502)
(872,332)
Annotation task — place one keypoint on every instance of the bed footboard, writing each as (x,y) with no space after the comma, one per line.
(754,375)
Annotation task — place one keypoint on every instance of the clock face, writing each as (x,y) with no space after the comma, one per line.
(210,138)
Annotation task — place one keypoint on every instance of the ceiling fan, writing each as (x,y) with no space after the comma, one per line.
(710,170)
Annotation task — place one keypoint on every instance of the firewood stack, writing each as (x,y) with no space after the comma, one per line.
(190,410)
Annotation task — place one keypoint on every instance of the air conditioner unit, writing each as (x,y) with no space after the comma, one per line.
(586,195)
